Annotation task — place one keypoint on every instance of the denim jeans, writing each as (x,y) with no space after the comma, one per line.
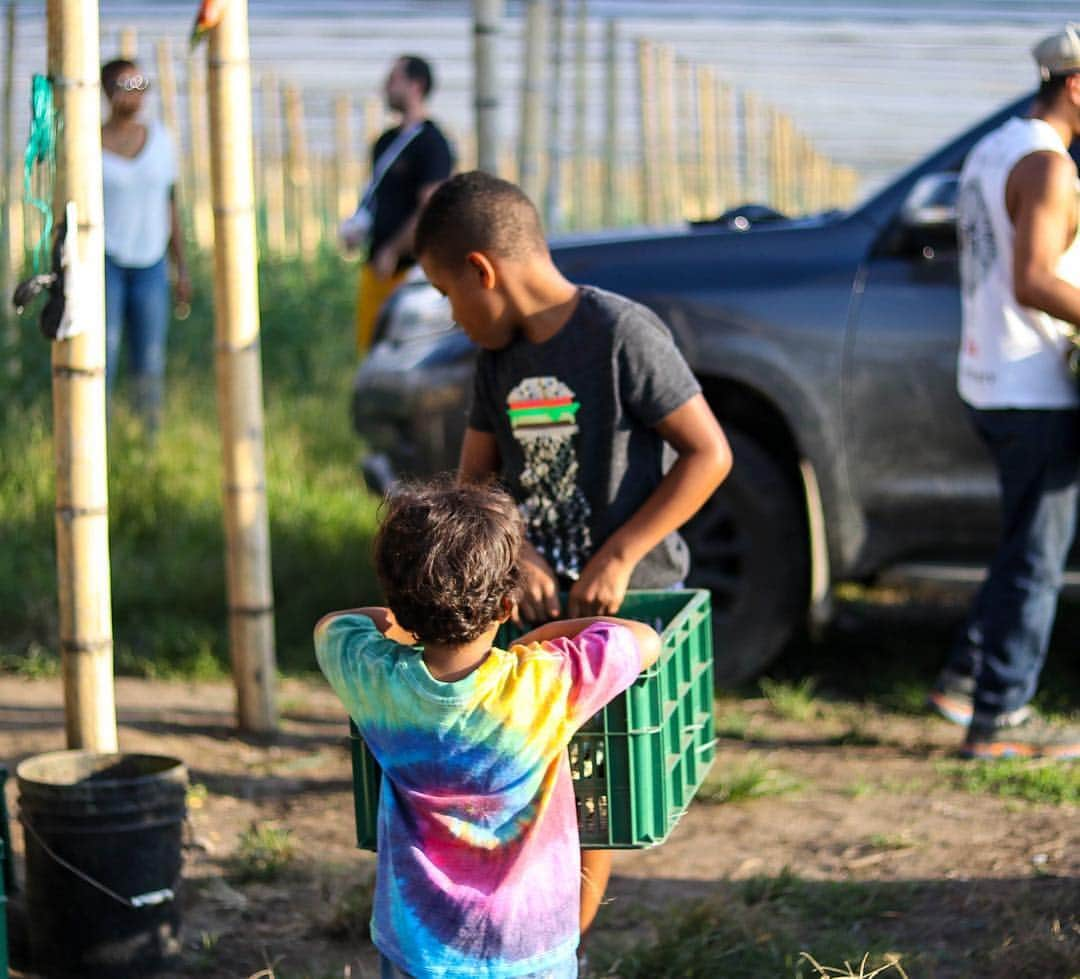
(567,969)
(137,305)
(1037,454)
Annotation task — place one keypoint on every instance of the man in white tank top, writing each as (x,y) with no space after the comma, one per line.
(1020,273)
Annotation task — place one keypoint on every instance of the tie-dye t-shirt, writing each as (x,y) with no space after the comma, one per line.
(478,863)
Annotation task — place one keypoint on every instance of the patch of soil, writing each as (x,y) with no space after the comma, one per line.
(871,807)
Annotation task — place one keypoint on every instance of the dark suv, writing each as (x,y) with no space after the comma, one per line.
(827,348)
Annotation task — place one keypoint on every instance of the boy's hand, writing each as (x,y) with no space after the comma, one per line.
(540,592)
(601,588)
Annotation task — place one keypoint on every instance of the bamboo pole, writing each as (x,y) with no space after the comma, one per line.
(708,144)
(129,43)
(202,217)
(374,124)
(728,159)
(531,133)
(651,165)
(609,177)
(170,115)
(487,16)
(751,168)
(581,115)
(240,403)
(669,146)
(344,163)
(10,198)
(686,146)
(78,383)
(298,178)
(553,193)
(273,176)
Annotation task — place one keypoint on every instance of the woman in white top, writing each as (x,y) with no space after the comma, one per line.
(141,228)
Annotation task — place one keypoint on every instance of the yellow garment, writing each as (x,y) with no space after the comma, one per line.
(371,294)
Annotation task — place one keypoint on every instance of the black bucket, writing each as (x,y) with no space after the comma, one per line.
(103,856)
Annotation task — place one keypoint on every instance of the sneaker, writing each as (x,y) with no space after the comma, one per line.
(953,696)
(1022,734)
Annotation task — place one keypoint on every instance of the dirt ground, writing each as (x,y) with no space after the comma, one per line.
(870,805)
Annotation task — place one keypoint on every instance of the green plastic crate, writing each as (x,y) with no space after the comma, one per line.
(637,764)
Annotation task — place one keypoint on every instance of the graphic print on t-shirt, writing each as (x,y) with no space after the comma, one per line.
(978,249)
(542,413)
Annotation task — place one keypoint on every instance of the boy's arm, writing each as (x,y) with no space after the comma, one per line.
(648,642)
(703,463)
(479,461)
(382,617)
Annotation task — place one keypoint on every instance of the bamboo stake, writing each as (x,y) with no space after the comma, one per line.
(581,110)
(170,115)
(344,163)
(708,145)
(374,124)
(609,175)
(298,184)
(553,195)
(487,15)
(531,133)
(651,165)
(686,147)
(273,176)
(751,168)
(129,43)
(78,382)
(728,161)
(240,403)
(202,217)
(669,147)
(10,198)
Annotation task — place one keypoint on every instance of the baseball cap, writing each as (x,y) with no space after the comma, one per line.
(1058,54)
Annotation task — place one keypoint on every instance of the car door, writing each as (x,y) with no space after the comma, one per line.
(924,480)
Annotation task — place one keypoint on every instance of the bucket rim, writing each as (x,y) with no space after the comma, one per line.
(173,766)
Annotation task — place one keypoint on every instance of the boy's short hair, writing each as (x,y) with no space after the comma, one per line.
(446,556)
(477,212)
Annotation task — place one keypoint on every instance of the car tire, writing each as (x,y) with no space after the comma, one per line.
(749,547)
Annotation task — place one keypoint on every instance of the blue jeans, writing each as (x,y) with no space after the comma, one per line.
(137,304)
(1037,454)
(563,970)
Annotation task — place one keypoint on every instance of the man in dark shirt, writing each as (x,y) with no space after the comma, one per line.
(407,163)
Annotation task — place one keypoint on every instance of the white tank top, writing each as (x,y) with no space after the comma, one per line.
(1011,356)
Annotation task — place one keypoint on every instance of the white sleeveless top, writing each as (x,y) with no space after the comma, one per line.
(137,217)
(1011,356)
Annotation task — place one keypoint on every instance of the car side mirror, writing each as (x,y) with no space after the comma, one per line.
(931,205)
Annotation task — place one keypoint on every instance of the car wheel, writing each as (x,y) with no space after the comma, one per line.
(749,547)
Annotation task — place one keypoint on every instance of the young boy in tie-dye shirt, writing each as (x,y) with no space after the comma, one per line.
(478,860)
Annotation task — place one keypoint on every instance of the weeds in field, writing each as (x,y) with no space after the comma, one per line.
(165,509)
(792,701)
(749,780)
(891,841)
(750,930)
(826,972)
(1017,778)
(350,914)
(263,853)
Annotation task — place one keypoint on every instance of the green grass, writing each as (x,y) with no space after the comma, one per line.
(1051,782)
(744,781)
(792,701)
(761,927)
(263,853)
(165,504)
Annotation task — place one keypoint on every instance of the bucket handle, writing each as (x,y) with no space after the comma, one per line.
(149,899)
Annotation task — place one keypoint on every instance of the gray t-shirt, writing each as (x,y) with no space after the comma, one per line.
(574,419)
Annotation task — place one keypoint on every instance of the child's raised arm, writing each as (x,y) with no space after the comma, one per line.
(382,617)
(646,637)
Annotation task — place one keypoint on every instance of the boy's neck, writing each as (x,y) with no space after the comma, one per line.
(451,662)
(544,303)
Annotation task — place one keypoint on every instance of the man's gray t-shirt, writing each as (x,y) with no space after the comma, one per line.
(573,419)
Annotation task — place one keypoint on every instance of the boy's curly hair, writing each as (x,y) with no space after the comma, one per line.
(447,557)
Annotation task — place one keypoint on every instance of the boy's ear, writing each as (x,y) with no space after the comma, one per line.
(508,606)
(481,265)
